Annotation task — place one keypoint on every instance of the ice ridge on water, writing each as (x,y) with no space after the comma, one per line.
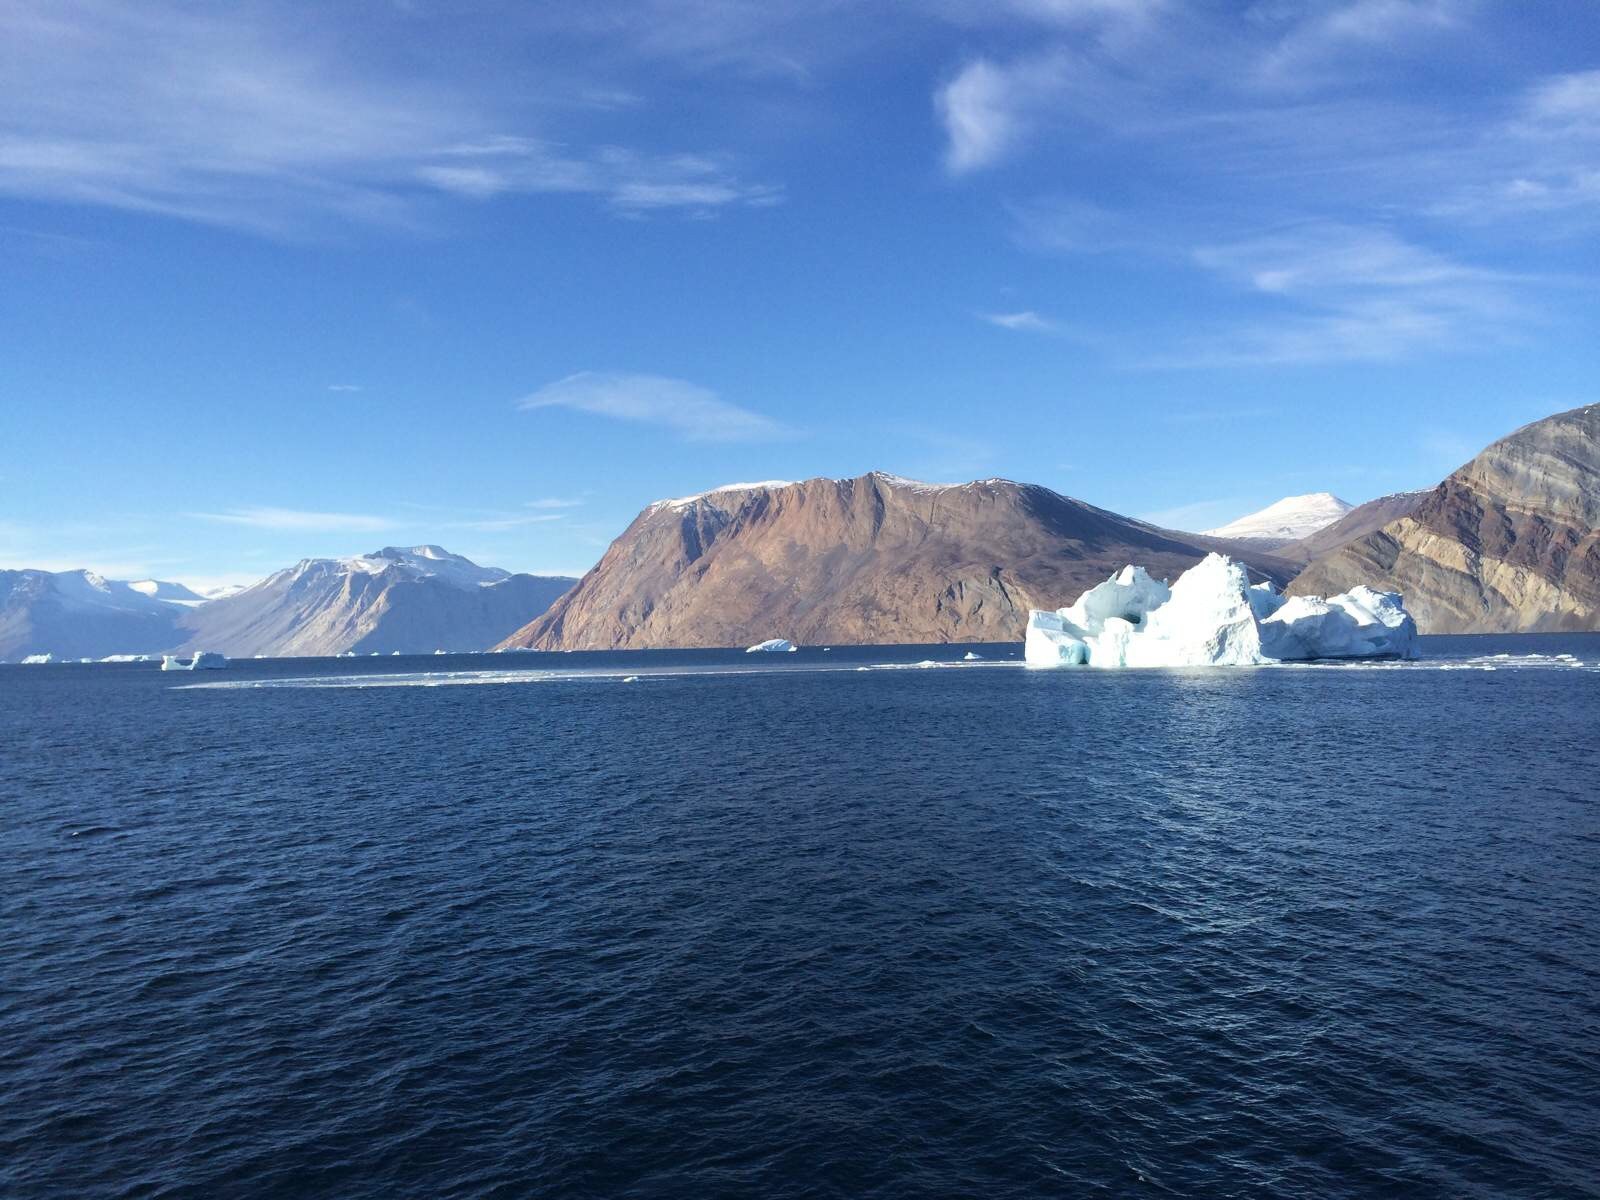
(1213,616)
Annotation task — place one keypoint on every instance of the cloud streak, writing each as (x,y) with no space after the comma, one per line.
(694,413)
(246,118)
(294,520)
(1026,321)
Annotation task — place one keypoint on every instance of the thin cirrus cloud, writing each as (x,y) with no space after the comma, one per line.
(1333,211)
(250,119)
(1026,321)
(293,520)
(1298,110)
(694,413)
(425,520)
(1200,515)
(1346,293)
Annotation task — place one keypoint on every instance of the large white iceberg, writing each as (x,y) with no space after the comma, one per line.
(772,645)
(1212,616)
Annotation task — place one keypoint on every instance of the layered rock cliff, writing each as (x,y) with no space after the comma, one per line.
(1508,543)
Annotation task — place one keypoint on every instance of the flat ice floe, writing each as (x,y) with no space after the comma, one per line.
(1212,616)
(202,660)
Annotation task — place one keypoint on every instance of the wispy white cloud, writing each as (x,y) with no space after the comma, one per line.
(499,524)
(1319,47)
(1342,293)
(983,113)
(1202,514)
(293,520)
(344,387)
(1296,108)
(1070,224)
(555,502)
(695,413)
(242,116)
(1026,321)
(1303,293)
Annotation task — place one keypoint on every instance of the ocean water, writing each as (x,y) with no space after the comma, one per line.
(777,926)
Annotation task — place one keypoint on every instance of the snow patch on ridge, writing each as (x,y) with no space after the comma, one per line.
(412,562)
(685,501)
(1289,519)
(884,477)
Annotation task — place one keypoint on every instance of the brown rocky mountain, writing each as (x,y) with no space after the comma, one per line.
(872,559)
(1508,543)
(1357,523)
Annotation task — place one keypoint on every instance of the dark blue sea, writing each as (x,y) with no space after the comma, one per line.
(776,926)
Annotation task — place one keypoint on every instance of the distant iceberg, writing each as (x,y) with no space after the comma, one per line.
(773,645)
(969,656)
(203,660)
(1212,616)
(39,660)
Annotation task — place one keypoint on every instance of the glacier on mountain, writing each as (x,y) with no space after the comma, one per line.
(1213,616)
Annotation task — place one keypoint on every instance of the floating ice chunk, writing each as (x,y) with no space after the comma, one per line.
(773,645)
(39,660)
(1360,623)
(203,660)
(1208,621)
(969,656)
(1213,616)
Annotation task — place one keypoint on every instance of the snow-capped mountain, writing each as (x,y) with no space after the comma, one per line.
(1289,520)
(408,599)
(79,614)
(412,599)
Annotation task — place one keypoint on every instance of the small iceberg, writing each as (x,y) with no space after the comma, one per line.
(1212,616)
(203,660)
(38,660)
(773,646)
(969,656)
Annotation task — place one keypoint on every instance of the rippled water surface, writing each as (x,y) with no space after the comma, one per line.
(776,926)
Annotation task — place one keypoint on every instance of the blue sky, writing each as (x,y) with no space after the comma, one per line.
(495,276)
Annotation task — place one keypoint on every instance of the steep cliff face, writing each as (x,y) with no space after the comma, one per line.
(871,559)
(1508,543)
